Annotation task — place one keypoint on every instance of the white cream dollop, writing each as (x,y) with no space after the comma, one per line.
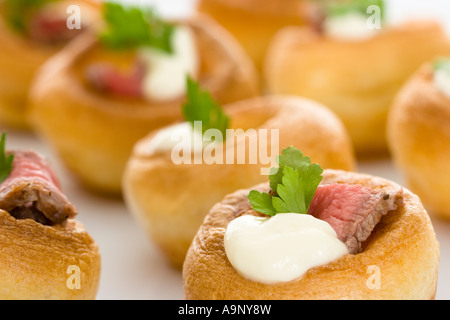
(166,75)
(280,248)
(181,134)
(442,81)
(351,26)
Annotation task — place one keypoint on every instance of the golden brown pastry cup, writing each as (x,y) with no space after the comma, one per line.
(402,248)
(358,80)
(94,133)
(254,22)
(171,200)
(47,262)
(419,138)
(19,60)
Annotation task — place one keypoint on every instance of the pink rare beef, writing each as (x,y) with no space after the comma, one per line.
(353,210)
(32,191)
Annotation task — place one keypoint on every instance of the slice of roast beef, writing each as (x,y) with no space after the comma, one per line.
(107,78)
(32,191)
(52,30)
(353,210)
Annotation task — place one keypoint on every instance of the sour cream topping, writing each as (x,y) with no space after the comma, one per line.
(280,248)
(166,76)
(182,135)
(442,81)
(351,26)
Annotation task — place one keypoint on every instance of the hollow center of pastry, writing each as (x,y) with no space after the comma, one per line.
(166,73)
(283,247)
(182,136)
(144,73)
(186,136)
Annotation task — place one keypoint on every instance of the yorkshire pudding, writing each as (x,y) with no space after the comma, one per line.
(253,23)
(23,52)
(402,248)
(94,132)
(357,79)
(38,261)
(419,138)
(170,200)
(45,253)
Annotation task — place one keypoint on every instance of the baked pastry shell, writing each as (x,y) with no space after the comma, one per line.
(94,133)
(171,200)
(403,247)
(419,139)
(20,58)
(358,80)
(36,261)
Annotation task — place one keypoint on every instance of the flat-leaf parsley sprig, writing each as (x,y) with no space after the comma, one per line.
(442,64)
(339,8)
(6,161)
(200,106)
(293,185)
(18,12)
(132,27)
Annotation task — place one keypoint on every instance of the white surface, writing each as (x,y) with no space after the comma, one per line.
(131,266)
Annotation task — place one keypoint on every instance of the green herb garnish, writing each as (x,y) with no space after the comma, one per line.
(18,12)
(132,27)
(442,64)
(200,106)
(339,8)
(5,161)
(293,185)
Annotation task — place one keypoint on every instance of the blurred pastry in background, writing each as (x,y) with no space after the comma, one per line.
(313,234)
(176,174)
(30,32)
(254,22)
(354,64)
(45,253)
(105,91)
(419,134)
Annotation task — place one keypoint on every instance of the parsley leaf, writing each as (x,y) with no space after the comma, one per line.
(5,161)
(290,157)
(290,193)
(262,202)
(337,8)
(309,173)
(442,64)
(200,106)
(295,182)
(132,27)
(18,12)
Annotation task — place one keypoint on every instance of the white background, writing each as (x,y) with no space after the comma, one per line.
(132,268)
